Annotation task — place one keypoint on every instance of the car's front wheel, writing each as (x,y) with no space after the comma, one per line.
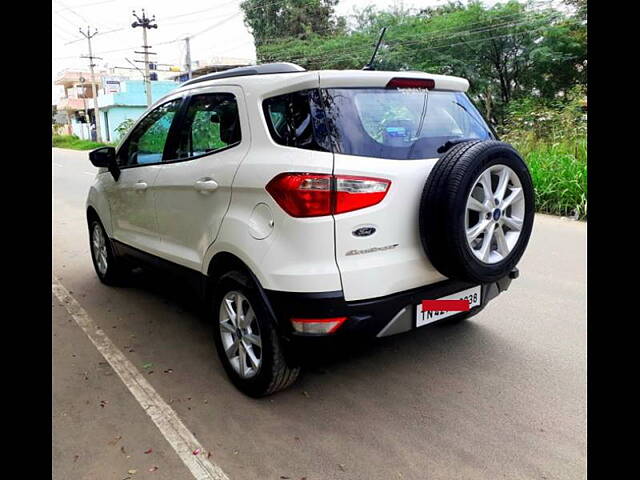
(246,339)
(108,268)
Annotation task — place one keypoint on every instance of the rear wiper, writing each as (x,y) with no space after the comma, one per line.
(450,143)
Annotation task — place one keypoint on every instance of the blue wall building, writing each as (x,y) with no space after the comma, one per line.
(129,103)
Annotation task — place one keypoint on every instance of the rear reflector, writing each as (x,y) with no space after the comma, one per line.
(314,195)
(411,83)
(317,325)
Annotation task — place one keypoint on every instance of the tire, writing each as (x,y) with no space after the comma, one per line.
(115,272)
(445,216)
(273,372)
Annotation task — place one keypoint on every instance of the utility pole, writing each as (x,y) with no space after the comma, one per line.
(188,59)
(96,110)
(146,23)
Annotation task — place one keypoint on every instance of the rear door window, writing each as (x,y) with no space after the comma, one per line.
(211,123)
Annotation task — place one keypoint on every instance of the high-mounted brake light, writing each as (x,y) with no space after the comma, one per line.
(317,325)
(314,194)
(398,82)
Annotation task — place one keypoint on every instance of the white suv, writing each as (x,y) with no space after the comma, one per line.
(312,206)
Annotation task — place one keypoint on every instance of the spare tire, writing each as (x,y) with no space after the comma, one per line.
(476,211)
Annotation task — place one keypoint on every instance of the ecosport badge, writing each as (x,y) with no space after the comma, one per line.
(371,250)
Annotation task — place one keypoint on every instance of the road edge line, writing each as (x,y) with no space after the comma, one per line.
(183,442)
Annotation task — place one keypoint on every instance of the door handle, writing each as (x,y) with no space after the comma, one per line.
(140,186)
(206,185)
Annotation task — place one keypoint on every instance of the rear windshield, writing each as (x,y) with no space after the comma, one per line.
(374,122)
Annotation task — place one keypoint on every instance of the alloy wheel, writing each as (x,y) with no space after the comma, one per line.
(494,214)
(240,334)
(99,247)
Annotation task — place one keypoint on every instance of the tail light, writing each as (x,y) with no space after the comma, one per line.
(317,325)
(314,195)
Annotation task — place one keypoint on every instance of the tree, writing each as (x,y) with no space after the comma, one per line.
(580,7)
(124,127)
(297,19)
(509,51)
(452,6)
(559,60)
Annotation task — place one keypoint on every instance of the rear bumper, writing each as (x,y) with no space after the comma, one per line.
(381,316)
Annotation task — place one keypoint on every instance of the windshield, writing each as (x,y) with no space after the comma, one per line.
(399,124)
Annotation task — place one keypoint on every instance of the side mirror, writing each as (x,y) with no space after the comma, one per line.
(105,157)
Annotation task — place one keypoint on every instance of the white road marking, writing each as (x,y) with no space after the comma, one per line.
(89,173)
(167,421)
(57,164)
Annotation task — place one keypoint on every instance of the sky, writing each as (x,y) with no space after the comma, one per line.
(217,25)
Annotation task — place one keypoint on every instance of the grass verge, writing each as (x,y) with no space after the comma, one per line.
(559,173)
(75,143)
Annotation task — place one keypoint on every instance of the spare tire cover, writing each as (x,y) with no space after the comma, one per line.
(476,211)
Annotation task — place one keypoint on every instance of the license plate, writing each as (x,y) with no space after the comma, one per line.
(471,294)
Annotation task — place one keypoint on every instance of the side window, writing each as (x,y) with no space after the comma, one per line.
(297,120)
(211,123)
(146,143)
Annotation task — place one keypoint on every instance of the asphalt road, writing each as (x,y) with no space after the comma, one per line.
(499,396)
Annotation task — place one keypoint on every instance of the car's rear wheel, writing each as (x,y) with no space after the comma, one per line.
(246,339)
(477,210)
(108,267)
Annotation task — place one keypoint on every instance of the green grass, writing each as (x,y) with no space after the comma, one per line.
(75,143)
(559,172)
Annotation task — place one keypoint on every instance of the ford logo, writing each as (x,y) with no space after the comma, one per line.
(364,231)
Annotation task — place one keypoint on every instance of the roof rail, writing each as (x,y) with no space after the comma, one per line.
(263,69)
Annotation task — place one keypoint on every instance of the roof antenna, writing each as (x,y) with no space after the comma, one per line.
(369,66)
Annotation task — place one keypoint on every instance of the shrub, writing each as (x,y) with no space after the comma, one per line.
(552,137)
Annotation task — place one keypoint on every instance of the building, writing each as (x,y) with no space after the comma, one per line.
(119,99)
(76,100)
(126,100)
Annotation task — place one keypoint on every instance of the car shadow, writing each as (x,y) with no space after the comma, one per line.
(450,346)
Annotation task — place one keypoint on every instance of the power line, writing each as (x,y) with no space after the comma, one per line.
(352,52)
(175,40)
(214,25)
(65,32)
(343,43)
(83,5)
(71,10)
(217,7)
(74,25)
(535,15)
(102,33)
(399,42)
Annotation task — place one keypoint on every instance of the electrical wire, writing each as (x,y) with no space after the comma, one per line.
(395,42)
